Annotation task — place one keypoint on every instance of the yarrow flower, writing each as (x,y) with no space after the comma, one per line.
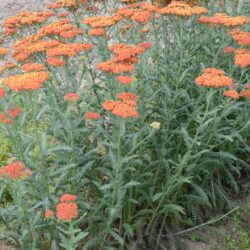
(7,66)
(56,62)
(125,108)
(67,211)
(92,116)
(3,51)
(145,45)
(245,93)
(231,93)
(68,198)
(229,50)
(223,19)
(124,79)
(182,9)
(29,67)
(2,93)
(27,81)
(242,57)
(97,32)
(127,96)
(14,112)
(214,78)
(242,37)
(73,97)
(15,171)
(22,19)
(49,213)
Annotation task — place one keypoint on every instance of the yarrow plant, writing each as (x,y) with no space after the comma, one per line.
(126,120)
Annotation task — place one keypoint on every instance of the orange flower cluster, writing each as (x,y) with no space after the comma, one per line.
(145,45)
(3,51)
(102,21)
(62,14)
(7,118)
(27,81)
(124,52)
(56,62)
(68,198)
(92,116)
(14,112)
(223,19)
(124,79)
(71,4)
(242,57)
(139,12)
(242,37)
(97,32)
(31,44)
(245,93)
(61,28)
(7,66)
(15,171)
(229,50)
(116,68)
(231,94)
(124,58)
(14,23)
(49,213)
(72,97)
(214,78)
(69,50)
(2,93)
(182,9)
(67,208)
(29,67)
(125,108)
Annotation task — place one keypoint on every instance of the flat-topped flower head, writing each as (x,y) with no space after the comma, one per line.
(72,97)
(67,211)
(14,112)
(231,94)
(3,51)
(55,61)
(229,50)
(15,171)
(242,37)
(223,19)
(49,213)
(92,116)
(125,108)
(124,79)
(68,198)
(245,93)
(27,81)
(182,9)
(29,67)
(127,96)
(2,93)
(242,57)
(97,32)
(23,19)
(115,67)
(5,119)
(214,78)
(101,21)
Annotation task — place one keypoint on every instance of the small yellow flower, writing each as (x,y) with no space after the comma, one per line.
(155,125)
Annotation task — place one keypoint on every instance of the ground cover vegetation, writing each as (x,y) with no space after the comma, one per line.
(121,122)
